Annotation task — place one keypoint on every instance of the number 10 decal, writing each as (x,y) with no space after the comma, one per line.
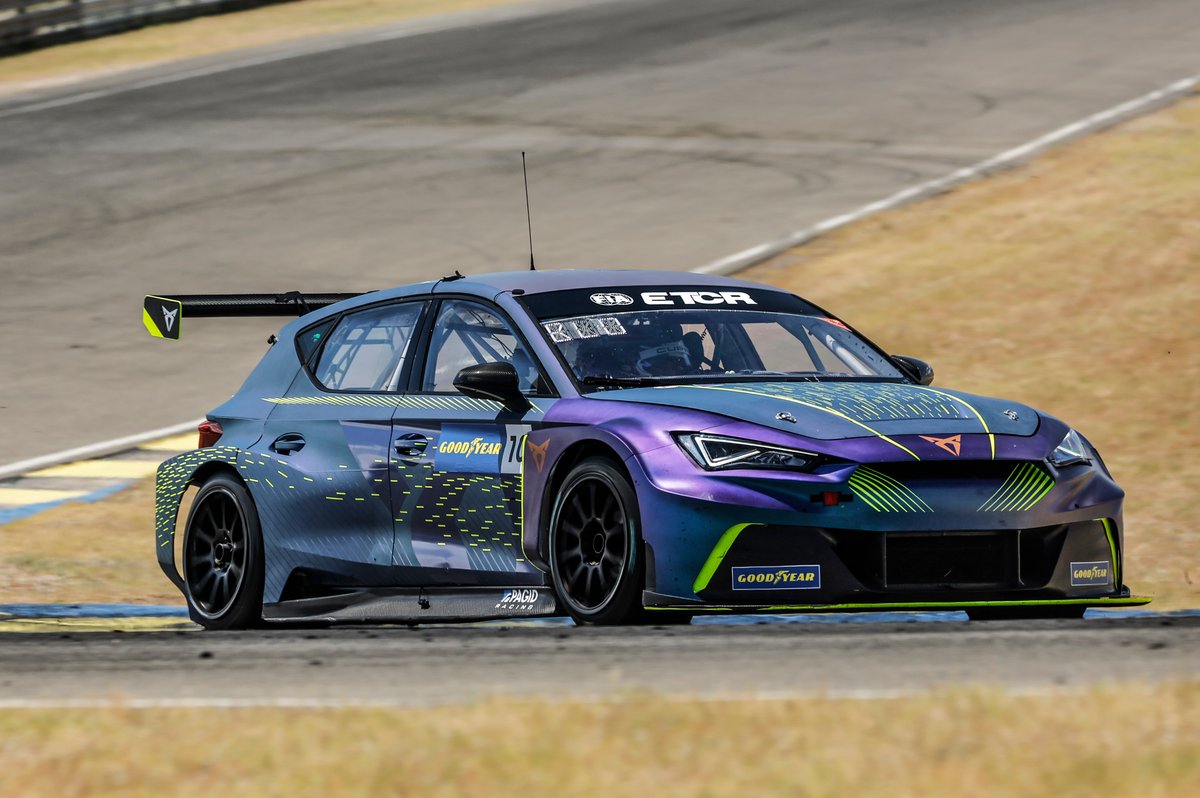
(514,447)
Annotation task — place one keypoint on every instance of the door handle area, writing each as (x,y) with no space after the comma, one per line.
(288,444)
(411,445)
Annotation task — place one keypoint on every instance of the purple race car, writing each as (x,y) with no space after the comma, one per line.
(618,446)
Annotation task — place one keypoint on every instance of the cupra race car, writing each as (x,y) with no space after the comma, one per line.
(617,446)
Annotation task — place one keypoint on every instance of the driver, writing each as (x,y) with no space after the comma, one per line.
(647,350)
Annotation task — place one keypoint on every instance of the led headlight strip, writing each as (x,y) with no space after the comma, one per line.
(716,452)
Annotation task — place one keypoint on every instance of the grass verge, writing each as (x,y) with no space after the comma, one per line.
(208,35)
(86,552)
(1105,741)
(1071,284)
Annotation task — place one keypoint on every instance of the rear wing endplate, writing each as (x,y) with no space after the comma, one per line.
(163,315)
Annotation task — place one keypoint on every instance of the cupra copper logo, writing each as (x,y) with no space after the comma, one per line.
(539,453)
(952,444)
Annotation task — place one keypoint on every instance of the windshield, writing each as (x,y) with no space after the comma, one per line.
(702,344)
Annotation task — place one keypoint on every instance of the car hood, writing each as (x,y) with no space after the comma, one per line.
(832,410)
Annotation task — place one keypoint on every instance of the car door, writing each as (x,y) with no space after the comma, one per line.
(457,460)
(331,436)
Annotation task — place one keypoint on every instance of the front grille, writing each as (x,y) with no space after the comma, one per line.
(950,559)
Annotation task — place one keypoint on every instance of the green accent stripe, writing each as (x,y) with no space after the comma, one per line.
(884,494)
(978,415)
(718,553)
(813,406)
(395,400)
(932,606)
(1023,488)
(1111,534)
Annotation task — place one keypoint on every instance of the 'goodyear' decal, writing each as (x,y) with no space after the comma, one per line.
(777,577)
(481,449)
(1089,573)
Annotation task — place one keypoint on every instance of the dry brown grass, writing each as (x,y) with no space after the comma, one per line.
(1105,741)
(86,552)
(209,35)
(1072,284)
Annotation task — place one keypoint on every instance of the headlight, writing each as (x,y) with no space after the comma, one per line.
(713,452)
(1072,450)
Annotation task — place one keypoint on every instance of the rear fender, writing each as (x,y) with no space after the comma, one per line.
(171,483)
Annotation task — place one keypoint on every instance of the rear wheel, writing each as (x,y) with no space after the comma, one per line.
(222,556)
(594,545)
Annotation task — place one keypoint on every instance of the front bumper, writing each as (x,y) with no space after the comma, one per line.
(776,568)
(901,534)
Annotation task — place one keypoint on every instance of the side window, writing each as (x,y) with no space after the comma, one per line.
(366,351)
(467,334)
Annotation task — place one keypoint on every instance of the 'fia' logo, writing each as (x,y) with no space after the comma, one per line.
(952,444)
(169,317)
(611,299)
(539,453)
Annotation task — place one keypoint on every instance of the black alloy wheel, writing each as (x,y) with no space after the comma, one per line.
(594,557)
(222,556)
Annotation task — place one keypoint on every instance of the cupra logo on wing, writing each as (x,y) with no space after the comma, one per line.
(169,317)
(538,450)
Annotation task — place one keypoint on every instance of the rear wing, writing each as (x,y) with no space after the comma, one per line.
(163,315)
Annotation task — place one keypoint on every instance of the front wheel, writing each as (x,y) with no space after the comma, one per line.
(594,545)
(222,557)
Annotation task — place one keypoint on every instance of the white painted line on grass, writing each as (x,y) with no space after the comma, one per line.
(1028,690)
(1090,124)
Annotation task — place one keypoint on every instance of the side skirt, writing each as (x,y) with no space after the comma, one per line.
(432,605)
(657,601)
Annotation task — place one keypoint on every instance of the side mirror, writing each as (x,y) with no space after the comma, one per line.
(495,381)
(918,371)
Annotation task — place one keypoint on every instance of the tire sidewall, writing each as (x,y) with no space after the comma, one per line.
(245,608)
(625,601)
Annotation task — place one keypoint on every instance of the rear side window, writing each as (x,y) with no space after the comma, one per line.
(367,349)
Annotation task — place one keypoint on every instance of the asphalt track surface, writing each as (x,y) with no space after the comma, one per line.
(448,665)
(664,134)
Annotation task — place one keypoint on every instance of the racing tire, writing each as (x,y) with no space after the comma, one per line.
(594,546)
(1069,611)
(223,557)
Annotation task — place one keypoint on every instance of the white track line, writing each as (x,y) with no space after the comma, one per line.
(402,30)
(616,697)
(726,265)
(1090,124)
(95,449)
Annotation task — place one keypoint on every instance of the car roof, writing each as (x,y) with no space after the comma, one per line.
(491,284)
(540,282)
